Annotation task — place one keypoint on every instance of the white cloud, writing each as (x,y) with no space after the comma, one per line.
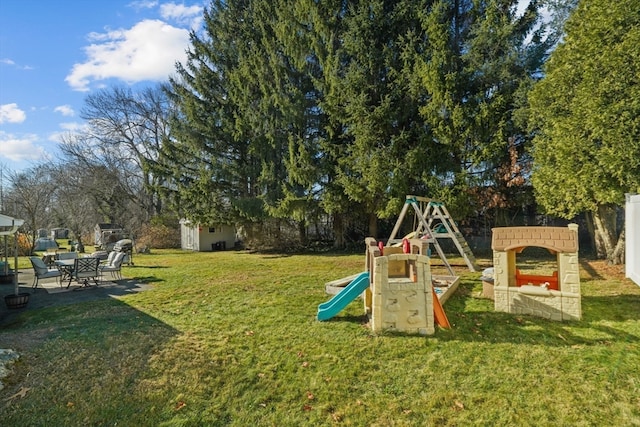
(67,132)
(20,148)
(147,51)
(143,4)
(73,126)
(12,63)
(10,113)
(65,110)
(180,13)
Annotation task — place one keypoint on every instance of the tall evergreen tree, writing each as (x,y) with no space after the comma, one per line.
(286,108)
(477,66)
(586,114)
(214,174)
(380,154)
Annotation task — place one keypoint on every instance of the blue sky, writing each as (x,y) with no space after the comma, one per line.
(54,53)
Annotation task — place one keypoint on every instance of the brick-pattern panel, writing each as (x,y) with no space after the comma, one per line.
(564,304)
(403,304)
(559,239)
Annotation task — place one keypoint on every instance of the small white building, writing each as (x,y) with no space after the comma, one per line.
(201,238)
(632,237)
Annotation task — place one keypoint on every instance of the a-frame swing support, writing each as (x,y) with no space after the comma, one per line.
(434,222)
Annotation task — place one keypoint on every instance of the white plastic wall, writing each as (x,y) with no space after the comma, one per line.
(632,237)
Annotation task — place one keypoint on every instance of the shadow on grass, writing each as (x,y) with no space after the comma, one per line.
(143,280)
(595,328)
(349,319)
(39,298)
(93,332)
(150,267)
(586,266)
(268,255)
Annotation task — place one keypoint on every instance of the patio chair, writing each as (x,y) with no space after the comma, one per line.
(84,270)
(114,266)
(110,257)
(41,271)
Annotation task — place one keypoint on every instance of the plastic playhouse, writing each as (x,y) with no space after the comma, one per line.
(397,290)
(555,296)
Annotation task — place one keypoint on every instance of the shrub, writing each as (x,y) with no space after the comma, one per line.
(157,236)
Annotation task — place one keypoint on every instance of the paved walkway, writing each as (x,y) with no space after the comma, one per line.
(40,298)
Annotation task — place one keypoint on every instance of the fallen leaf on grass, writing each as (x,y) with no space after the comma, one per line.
(180,405)
(458,405)
(305,364)
(249,333)
(22,393)
(307,407)
(310,395)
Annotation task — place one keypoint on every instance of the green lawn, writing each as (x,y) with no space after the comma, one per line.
(230,338)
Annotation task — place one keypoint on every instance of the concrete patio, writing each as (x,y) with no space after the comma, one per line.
(50,294)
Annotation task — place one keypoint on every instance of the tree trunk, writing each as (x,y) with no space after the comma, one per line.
(338,231)
(604,219)
(302,232)
(617,257)
(373,225)
(592,234)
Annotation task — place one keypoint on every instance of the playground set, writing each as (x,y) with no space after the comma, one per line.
(397,290)
(398,287)
(431,223)
(400,292)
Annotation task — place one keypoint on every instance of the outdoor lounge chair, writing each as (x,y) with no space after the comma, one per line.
(84,270)
(41,271)
(114,266)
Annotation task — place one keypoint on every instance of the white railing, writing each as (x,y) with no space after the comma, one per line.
(632,237)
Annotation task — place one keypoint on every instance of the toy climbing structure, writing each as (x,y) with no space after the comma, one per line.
(397,290)
(432,221)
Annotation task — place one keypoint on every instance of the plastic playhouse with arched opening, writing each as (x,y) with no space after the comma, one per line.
(555,296)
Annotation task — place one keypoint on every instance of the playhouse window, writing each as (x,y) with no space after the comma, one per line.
(537,266)
(212,229)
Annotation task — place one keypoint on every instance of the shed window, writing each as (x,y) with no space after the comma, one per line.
(212,229)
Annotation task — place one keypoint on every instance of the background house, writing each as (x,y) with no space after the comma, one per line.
(201,238)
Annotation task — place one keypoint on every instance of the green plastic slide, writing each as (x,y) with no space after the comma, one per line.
(336,304)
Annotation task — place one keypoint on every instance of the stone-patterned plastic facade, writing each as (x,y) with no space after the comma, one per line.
(563,304)
(402,296)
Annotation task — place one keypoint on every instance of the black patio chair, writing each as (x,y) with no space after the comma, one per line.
(84,270)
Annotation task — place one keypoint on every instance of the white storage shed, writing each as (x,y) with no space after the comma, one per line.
(201,238)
